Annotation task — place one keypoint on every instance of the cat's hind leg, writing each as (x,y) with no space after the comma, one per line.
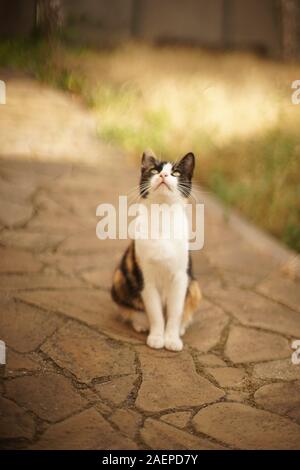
(140,322)
(191,304)
(137,318)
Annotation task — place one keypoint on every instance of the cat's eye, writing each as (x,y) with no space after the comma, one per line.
(176,173)
(153,171)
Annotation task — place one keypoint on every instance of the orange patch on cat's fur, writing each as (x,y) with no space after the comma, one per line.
(192,301)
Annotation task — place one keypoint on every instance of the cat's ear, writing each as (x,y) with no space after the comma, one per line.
(148,159)
(187,165)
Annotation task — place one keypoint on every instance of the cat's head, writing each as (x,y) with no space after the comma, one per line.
(160,179)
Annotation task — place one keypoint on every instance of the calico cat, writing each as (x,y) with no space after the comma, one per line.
(154,284)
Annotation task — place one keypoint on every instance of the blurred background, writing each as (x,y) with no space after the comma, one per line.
(211,77)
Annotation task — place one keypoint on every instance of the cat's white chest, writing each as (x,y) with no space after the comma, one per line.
(161,261)
(163,257)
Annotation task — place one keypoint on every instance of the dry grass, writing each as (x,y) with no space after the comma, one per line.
(233,110)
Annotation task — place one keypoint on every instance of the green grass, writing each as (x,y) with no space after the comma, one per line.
(233,110)
(268,189)
(39,60)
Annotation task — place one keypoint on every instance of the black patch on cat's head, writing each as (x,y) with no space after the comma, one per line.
(149,161)
(186,169)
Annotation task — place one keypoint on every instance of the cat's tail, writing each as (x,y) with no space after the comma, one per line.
(192,302)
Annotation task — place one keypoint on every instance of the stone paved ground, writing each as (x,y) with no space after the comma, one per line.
(78,378)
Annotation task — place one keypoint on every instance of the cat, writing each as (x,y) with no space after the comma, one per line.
(154,284)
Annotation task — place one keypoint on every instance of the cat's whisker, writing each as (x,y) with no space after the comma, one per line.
(200,188)
(136,198)
(189,192)
(143,192)
(140,193)
(137,189)
(193,188)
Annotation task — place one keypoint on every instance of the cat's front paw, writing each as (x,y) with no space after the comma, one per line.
(155,341)
(173,343)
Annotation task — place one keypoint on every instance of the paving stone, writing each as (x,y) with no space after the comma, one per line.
(281,398)
(35,242)
(86,431)
(210,284)
(217,232)
(241,279)
(250,428)
(252,309)
(205,333)
(87,354)
(95,308)
(32,125)
(33,173)
(201,264)
(117,389)
(18,261)
(50,396)
(241,258)
(74,183)
(15,423)
(37,281)
(102,276)
(82,204)
(24,327)
(102,408)
(281,369)
(210,360)
(237,396)
(81,304)
(70,265)
(87,241)
(58,224)
(282,289)
(179,419)
(249,345)
(17,193)
(82,243)
(13,214)
(95,400)
(159,435)
(17,364)
(45,203)
(175,375)
(128,422)
(227,376)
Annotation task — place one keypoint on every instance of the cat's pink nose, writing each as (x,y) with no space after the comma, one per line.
(163,175)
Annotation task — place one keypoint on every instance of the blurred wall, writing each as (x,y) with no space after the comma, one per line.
(251,24)
(17,17)
(195,21)
(254,23)
(98,21)
(247,24)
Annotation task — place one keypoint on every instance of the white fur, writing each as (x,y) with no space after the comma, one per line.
(164,262)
